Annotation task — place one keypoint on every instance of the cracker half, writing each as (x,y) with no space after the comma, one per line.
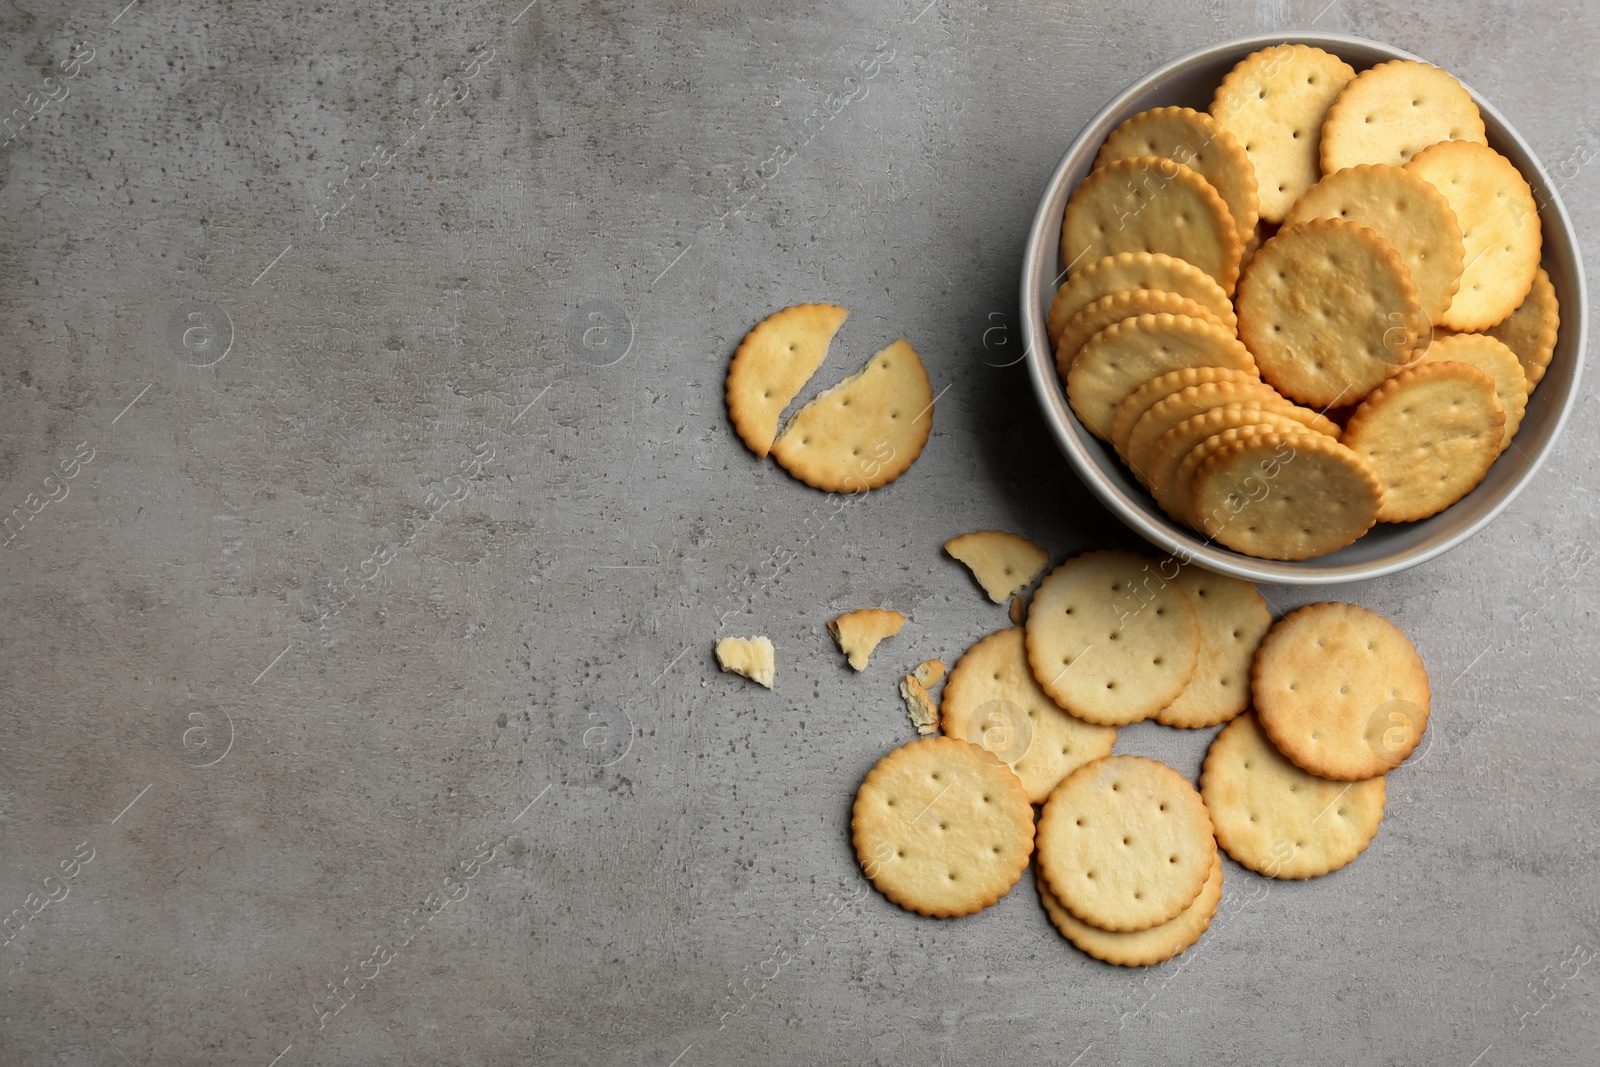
(1157,389)
(772,364)
(1274,102)
(942,827)
(1341,691)
(750,656)
(1108,640)
(1390,112)
(1116,307)
(1127,271)
(1001,562)
(1196,140)
(864,432)
(993,700)
(858,632)
(1430,435)
(1150,204)
(1125,843)
(1500,229)
(1233,618)
(1404,210)
(1139,948)
(1275,818)
(1498,362)
(1329,310)
(1531,330)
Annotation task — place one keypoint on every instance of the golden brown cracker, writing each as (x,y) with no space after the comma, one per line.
(921,708)
(1531,330)
(1001,562)
(1133,409)
(773,364)
(1113,309)
(1233,618)
(1139,948)
(1498,362)
(1174,446)
(1128,271)
(1196,400)
(858,632)
(1390,112)
(1196,140)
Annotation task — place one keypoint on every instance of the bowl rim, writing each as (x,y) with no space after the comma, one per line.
(1136,514)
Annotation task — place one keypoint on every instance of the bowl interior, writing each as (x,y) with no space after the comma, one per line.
(1386,548)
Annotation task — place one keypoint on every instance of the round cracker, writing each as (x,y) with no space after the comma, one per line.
(1157,389)
(1404,210)
(1500,229)
(1116,307)
(1276,819)
(1233,618)
(1174,446)
(1137,270)
(993,700)
(1274,102)
(864,432)
(1151,204)
(1285,496)
(1430,434)
(942,827)
(1498,362)
(1390,112)
(1180,489)
(1125,843)
(1194,139)
(1196,400)
(1329,310)
(772,364)
(1139,948)
(1125,355)
(1341,691)
(1109,640)
(1531,330)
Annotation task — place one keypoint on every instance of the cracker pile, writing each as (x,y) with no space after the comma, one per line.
(1316,307)
(1316,709)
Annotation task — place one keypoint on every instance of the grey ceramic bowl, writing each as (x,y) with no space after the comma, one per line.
(1387,548)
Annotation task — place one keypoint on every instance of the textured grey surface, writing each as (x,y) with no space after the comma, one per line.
(340,689)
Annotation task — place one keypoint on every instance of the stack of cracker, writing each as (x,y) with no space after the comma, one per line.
(1315,308)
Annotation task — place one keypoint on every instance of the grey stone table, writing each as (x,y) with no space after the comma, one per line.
(357,703)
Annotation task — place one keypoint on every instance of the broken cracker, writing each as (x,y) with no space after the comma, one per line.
(749,656)
(921,708)
(858,632)
(773,363)
(1001,562)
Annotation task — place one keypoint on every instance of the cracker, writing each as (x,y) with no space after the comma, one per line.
(1285,496)
(1196,400)
(1498,362)
(929,673)
(1125,843)
(864,432)
(772,364)
(1277,819)
(1157,389)
(1274,102)
(1531,330)
(1139,948)
(1174,446)
(921,708)
(1392,111)
(1001,562)
(942,827)
(1404,210)
(1194,139)
(1116,307)
(1341,691)
(993,700)
(1233,618)
(858,632)
(1179,489)
(1150,204)
(1430,435)
(1127,271)
(1329,310)
(1500,229)
(1107,642)
(749,656)
(1122,357)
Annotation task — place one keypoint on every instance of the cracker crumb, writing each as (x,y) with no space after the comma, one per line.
(749,656)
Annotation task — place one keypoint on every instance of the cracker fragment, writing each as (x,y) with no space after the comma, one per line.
(1122,357)
(1108,641)
(1001,562)
(864,432)
(1531,330)
(1500,229)
(1125,843)
(1116,307)
(942,827)
(1498,362)
(1277,819)
(993,700)
(1328,310)
(1233,618)
(921,708)
(1390,112)
(749,656)
(929,673)
(1139,948)
(1196,140)
(1430,435)
(1127,271)
(1150,204)
(1274,102)
(858,632)
(1157,389)
(771,366)
(1341,691)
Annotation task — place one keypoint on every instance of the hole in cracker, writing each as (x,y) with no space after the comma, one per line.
(1137,895)
(1088,874)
